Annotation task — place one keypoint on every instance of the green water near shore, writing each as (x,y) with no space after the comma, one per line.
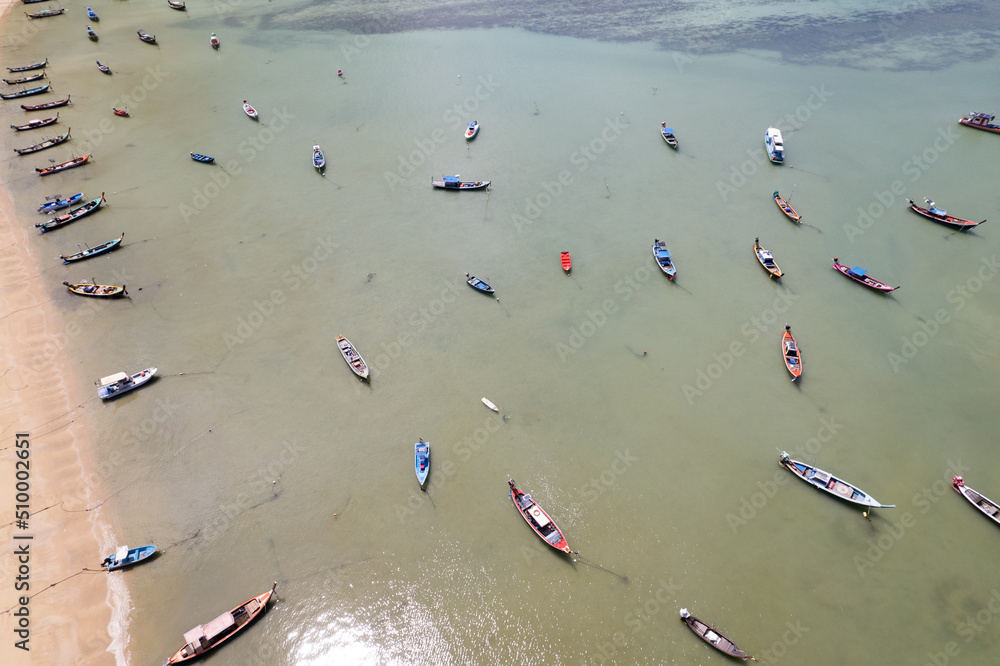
(643,415)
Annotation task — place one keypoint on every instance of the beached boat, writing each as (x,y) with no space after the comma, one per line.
(422,460)
(986,506)
(472,130)
(566,260)
(352,357)
(859,274)
(478,285)
(713,637)
(62,166)
(455,183)
(91,34)
(180,6)
(31,2)
(115,385)
(319,159)
(983,121)
(126,557)
(668,135)
(828,483)
(790,351)
(198,157)
(536,517)
(24,79)
(774,144)
(26,93)
(28,68)
(662,256)
(146,37)
(932,212)
(107,246)
(206,637)
(48,143)
(103,68)
(55,203)
(490,405)
(92,15)
(214,41)
(786,207)
(46,13)
(97,290)
(35,124)
(766,260)
(72,216)
(120,112)
(46,105)
(249,110)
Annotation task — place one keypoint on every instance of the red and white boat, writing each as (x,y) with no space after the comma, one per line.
(206,637)
(790,350)
(249,110)
(859,274)
(538,519)
(932,212)
(983,121)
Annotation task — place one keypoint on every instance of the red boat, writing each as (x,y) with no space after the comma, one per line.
(68,164)
(983,121)
(860,275)
(567,263)
(942,216)
(538,519)
(47,105)
(206,637)
(120,112)
(790,350)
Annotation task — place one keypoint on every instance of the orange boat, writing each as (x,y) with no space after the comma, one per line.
(790,350)
(786,208)
(203,638)
(567,263)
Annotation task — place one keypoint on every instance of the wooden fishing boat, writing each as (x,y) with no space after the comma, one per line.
(775,145)
(206,637)
(72,216)
(668,135)
(24,79)
(983,121)
(48,143)
(180,6)
(766,260)
(828,483)
(422,460)
(115,385)
(566,260)
(249,110)
(62,166)
(986,506)
(214,41)
(56,203)
(786,208)
(146,37)
(860,275)
(352,357)
(107,246)
(92,15)
(120,112)
(319,159)
(97,290)
(478,285)
(713,637)
(28,68)
(662,256)
(126,557)
(198,157)
(472,130)
(46,13)
(35,124)
(47,105)
(932,212)
(103,68)
(536,517)
(31,2)
(491,406)
(790,350)
(26,93)
(91,34)
(455,183)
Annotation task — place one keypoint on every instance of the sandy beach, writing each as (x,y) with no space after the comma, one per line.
(68,611)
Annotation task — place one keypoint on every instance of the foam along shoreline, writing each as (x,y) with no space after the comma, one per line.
(73,622)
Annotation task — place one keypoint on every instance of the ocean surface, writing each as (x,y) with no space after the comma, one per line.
(645,416)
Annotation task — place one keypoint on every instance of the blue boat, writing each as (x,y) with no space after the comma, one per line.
(59,204)
(126,557)
(478,285)
(662,256)
(92,15)
(422,460)
(202,158)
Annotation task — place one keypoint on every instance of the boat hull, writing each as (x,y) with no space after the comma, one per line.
(983,504)
(248,611)
(43,145)
(479,285)
(26,93)
(47,105)
(786,208)
(712,636)
(791,354)
(948,220)
(422,461)
(112,391)
(28,68)
(663,259)
(868,281)
(353,358)
(766,260)
(537,519)
(77,213)
(97,290)
(566,260)
(103,248)
(460,186)
(135,556)
(830,484)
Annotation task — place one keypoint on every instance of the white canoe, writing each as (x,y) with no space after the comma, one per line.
(490,405)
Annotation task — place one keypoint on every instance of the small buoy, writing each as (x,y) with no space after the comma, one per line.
(644,353)
(334,515)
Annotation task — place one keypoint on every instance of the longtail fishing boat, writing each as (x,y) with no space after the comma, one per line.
(47,105)
(713,636)
(46,13)
(72,216)
(828,483)
(28,68)
(26,93)
(536,517)
(35,124)
(54,141)
(790,351)
(932,212)
(107,246)
(861,276)
(62,166)
(24,79)
(97,290)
